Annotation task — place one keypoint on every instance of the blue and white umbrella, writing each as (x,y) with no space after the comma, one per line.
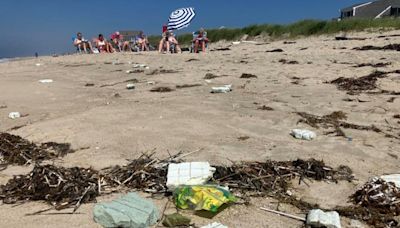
(181,18)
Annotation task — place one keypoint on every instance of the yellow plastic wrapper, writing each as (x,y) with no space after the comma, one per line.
(208,198)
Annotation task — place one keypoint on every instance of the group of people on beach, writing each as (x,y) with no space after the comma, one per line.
(117,43)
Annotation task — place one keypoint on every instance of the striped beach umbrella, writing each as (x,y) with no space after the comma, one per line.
(181,18)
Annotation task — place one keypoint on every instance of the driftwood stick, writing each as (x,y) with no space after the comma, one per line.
(284,214)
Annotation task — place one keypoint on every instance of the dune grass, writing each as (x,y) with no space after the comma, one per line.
(302,28)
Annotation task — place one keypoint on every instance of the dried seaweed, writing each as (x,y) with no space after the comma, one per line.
(187,86)
(243,138)
(275,50)
(364,83)
(289,42)
(19,151)
(161,71)
(333,121)
(139,174)
(245,75)
(284,61)
(60,187)
(162,89)
(211,76)
(349,38)
(274,178)
(373,64)
(265,108)
(390,47)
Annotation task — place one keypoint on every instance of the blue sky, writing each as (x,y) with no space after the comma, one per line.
(46,26)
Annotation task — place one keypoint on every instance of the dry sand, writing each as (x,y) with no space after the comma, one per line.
(116,124)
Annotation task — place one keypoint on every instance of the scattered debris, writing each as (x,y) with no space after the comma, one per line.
(397,116)
(373,64)
(128,211)
(3,106)
(391,47)
(221,89)
(188,173)
(89,84)
(284,61)
(393,178)
(348,38)
(130,86)
(187,86)
(214,225)
(385,36)
(46,81)
(265,108)
(14,115)
(245,75)
(209,198)
(162,89)
(176,220)
(275,50)
(289,42)
(19,151)
(302,49)
(319,218)
(243,138)
(377,203)
(303,134)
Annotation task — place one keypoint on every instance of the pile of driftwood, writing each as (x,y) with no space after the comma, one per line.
(274,178)
(19,151)
(377,203)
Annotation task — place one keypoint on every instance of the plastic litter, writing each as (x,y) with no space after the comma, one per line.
(14,115)
(175,220)
(188,173)
(394,178)
(319,218)
(129,211)
(208,81)
(214,225)
(221,89)
(46,80)
(303,134)
(236,42)
(38,64)
(209,198)
(130,86)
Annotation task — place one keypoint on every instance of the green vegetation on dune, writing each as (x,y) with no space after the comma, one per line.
(298,29)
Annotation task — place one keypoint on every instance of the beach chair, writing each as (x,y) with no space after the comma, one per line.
(195,34)
(78,50)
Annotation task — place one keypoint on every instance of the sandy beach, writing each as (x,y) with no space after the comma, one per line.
(88,105)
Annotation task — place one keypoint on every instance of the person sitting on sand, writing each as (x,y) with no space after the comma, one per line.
(200,41)
(82,44)
(117,41)
(103,45)
(142,41)
(168,40)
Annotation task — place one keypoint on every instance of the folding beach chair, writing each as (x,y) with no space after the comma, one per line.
(195,34)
